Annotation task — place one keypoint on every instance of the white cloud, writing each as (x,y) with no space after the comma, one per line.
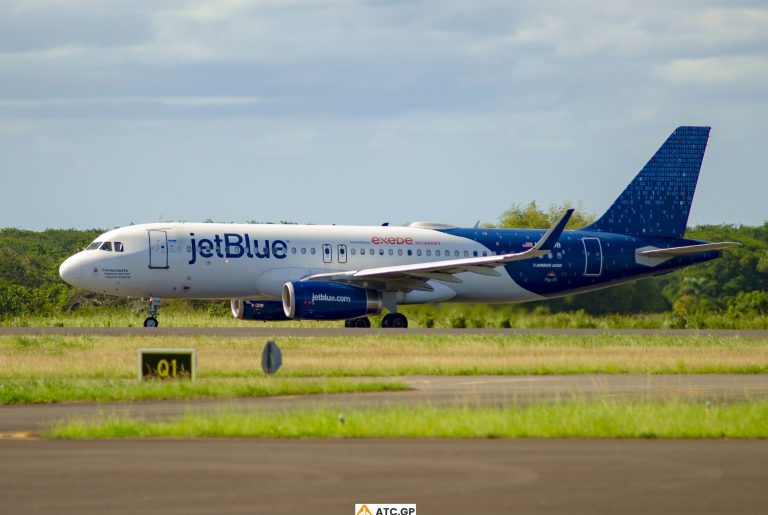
(410,91)
(717,70)
(132,102)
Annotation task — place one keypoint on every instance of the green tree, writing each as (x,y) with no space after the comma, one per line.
(531,216)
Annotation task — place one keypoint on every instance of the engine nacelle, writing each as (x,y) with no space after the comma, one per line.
(311,300)
(257,309)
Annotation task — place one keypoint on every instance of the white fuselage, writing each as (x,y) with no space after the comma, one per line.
(254,261)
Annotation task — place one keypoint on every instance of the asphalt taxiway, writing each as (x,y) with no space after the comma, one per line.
(330,476)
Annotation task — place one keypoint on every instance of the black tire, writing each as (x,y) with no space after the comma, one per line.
(150,322)
(364,322)
(399,321)
(395,321)
(349,323)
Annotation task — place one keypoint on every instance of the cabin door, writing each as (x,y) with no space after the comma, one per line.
(593,253)
(158,249)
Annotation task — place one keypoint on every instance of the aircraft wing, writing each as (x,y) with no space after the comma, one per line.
(686,250)
(415,276)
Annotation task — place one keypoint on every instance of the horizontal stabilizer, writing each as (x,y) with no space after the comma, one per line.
(687,250)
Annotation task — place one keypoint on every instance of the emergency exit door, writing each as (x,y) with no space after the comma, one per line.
(158,249)
(327,253)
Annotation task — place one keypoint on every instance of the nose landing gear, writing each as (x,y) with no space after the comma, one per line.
(154,306)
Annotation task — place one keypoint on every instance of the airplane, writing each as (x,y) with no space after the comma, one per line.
(275,272)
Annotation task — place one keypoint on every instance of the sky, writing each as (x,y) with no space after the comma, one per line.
(365,112)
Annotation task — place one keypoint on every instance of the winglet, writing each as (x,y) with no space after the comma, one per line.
(547,242)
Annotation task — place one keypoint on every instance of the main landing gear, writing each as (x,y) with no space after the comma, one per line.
(364,322)
(395,321)
(154,306)
(390,320)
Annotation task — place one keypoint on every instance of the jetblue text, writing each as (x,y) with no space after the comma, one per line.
(235,246)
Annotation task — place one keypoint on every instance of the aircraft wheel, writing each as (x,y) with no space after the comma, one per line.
(349,323)
(362,322)
(150,322)
(395,321)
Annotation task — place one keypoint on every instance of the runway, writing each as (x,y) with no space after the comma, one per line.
(266,332)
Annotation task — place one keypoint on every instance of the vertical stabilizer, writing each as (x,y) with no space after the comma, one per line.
(658,200)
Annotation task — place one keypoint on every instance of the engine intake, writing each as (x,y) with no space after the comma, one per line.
(311,300)
(257,309)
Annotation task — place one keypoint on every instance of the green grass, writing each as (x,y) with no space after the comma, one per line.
(444,316)
(114,357)
(40,391)
(565,419)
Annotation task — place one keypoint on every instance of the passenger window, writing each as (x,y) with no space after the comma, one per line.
(107,245)
(466,253)
(474,253)
(391,252)
(327,251)
(429,253)
(381,252)
(410,252)
(352,251)
(293,250)
(399,252)
(485,253)
(437,253)
(303,250)
(313,250)
(371,251)
(118,246)
(456,253)
(418,252)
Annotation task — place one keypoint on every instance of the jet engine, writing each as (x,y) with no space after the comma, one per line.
(309,300)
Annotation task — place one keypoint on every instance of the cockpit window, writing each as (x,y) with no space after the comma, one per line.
(118,246)
(107,245)
(93,246)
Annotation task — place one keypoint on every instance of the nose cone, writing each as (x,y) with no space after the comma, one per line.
(70,270)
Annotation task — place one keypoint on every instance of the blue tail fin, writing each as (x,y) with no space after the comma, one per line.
(658,200)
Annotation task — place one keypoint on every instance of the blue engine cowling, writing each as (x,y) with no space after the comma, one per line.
(257,309)
(311,300)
